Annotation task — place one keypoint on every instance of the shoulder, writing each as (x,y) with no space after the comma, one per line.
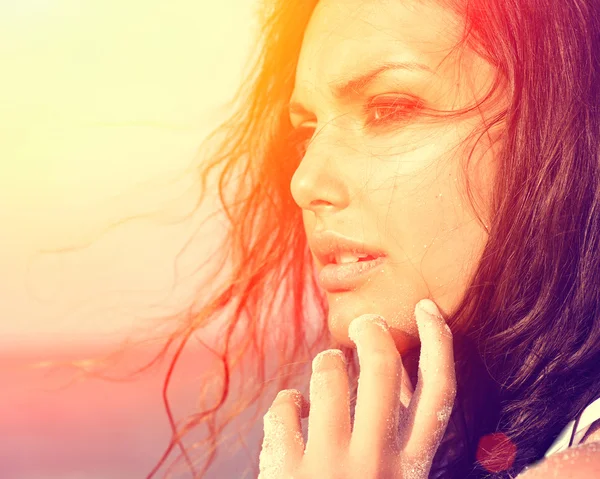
(579,462)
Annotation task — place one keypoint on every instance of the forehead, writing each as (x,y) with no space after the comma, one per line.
(343,35)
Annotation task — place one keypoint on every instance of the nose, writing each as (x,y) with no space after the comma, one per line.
(318,183)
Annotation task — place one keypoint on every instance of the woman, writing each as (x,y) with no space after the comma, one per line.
(452,147)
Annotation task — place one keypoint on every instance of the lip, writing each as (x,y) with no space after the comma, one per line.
(343,277)
(326,244)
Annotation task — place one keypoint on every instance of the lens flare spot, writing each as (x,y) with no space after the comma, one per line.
(496,452)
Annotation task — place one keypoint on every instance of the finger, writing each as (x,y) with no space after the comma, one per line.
(432,402)
(283,444)
(406,389)
(329,418)
(378,403)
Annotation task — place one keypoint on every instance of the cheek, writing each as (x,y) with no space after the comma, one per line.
(449,265)
(436,233)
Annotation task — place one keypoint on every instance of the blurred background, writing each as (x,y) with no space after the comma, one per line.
(104,104)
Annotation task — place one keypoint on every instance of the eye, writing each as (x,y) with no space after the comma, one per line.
(385,110)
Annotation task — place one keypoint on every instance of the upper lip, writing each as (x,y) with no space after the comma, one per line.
(327,244)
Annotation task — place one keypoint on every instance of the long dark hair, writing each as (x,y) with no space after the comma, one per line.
(527,331)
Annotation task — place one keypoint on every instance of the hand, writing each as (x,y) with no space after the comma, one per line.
(396,431)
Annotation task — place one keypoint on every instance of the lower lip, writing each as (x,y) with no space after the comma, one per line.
(343,277)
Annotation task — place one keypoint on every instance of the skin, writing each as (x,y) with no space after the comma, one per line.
(411,206)
(399,186)
(390,437)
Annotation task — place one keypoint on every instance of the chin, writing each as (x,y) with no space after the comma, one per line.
(401,323)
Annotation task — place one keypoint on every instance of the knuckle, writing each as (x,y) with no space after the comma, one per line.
(383,363)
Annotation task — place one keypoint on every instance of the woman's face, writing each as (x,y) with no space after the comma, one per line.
(381,177)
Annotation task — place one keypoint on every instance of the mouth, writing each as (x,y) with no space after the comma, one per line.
(336,277)
(345,260)
(349,258)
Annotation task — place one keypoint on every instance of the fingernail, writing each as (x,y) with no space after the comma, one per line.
(329,359)
(429,307)
(293,394)
(433,314)
(357,325)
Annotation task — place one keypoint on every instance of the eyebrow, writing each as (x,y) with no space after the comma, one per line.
(357,85)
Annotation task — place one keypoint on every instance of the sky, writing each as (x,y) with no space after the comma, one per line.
(104,106)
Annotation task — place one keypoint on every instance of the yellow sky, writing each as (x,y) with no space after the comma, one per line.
(98,98)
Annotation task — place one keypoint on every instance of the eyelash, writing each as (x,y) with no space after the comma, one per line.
(396,103)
